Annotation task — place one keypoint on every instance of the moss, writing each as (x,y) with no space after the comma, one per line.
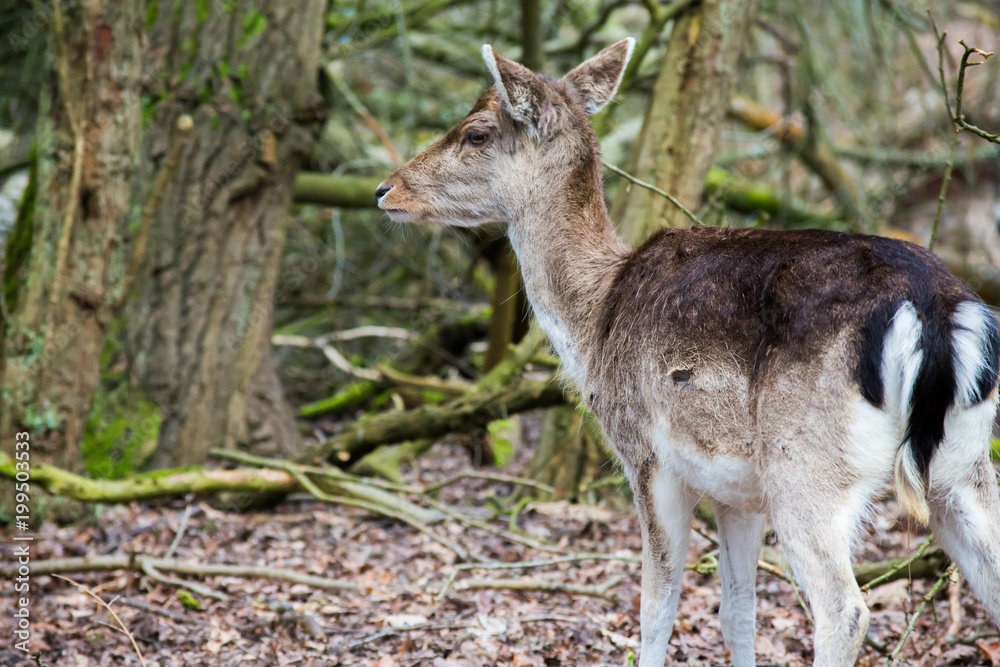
(121,435)
(201,10)
(433,397)
(189,601)
(152,11)
(123,426)
(254,24)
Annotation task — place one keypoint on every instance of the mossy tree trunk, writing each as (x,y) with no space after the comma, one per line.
(199,320)
(70,280)
(684,117)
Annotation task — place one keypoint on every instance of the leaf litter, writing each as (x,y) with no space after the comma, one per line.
(398,619)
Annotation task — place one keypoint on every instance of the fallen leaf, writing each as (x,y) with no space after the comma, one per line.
(991,650)
(403,620)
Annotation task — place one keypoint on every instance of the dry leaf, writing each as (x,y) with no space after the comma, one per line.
(991,650)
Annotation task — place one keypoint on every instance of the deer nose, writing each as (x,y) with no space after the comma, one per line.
(381,190)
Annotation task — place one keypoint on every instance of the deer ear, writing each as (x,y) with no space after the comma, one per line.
(597,79)
(521,93)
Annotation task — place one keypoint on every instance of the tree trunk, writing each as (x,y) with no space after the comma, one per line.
(681,128)
(87,136)
(199,321)
(510,307)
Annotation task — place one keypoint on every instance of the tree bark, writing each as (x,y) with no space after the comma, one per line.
(681,128)
(88,136)
(199,320)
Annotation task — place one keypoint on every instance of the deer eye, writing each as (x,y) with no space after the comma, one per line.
(476,137)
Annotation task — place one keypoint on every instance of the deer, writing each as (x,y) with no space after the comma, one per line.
(785,375)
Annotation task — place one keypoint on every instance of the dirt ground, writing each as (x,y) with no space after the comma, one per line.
(394,618)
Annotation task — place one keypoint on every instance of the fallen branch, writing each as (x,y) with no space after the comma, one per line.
(384,373)
(896,567)
(602,591)
(150,487)
(136,562)
(530,564)
(497,394)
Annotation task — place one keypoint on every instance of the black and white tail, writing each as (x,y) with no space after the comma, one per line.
(943,363)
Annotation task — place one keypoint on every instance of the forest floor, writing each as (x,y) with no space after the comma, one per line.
(395,619)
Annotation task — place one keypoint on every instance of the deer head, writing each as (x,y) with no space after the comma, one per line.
(525,142)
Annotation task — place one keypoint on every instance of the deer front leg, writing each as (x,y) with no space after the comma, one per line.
(664,505)
(740,536)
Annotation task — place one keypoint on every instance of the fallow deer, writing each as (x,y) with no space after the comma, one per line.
(793,374)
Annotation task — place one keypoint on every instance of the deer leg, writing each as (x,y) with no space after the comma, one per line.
(816,527)
(740,536)
(664,504)
(965,503)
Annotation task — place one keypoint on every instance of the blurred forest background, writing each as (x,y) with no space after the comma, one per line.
(193,267)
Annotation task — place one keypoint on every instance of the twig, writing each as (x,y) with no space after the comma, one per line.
(920,608)
(972,639)
(307,484)
(107,606)
(134,563)
(384,372)
(160,611)
(904,564)
(673,200)
(955,607)
(332,354)
(601,591)
(958,118)
(366,117)
(180,531)
(499,532)
(494,476)
(530,564)
(205,591)
(942,193)
(392,632)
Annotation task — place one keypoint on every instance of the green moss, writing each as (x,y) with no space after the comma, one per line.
(122,431)
(503,437)
(433,397)
(152,11)
(253,25)
(353,394)
(189,601)
(201,10)
(123,425)
(167,472)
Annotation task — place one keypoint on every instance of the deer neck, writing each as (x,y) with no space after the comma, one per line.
(568,251)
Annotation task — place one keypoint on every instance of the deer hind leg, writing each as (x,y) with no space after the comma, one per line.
(965,503)
(740,534)
(821,478)
(816,539)
(664,504)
